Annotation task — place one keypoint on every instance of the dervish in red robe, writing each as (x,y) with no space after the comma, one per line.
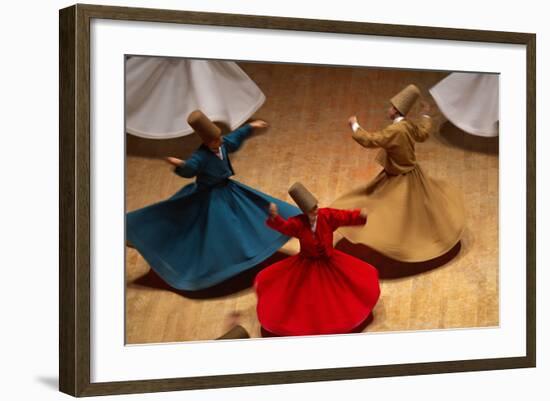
(320,290)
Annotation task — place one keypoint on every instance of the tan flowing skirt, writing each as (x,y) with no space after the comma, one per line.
(411,217)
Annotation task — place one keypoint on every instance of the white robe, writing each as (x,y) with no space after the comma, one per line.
(161,92)
(470,101)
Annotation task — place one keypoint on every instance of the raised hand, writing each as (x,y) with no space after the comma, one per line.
(273,210)
(259,124)
(174,161)
(352,120)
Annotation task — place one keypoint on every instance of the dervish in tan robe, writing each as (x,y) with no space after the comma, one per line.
(412,217)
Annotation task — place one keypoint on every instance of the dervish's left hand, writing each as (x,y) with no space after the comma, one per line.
(259,124)
(273,210)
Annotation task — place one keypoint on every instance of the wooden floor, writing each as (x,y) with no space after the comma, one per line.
(309,141)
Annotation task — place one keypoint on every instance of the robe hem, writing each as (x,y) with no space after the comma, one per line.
(185,132)
(454,243)
(450,115)
(337,332)
(212,280)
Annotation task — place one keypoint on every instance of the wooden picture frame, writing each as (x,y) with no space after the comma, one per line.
(74,119)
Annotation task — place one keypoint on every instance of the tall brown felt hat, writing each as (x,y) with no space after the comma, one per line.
(202,125)
(405,99)
(303,198)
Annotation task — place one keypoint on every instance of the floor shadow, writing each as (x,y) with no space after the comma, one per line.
(237,332)
(451,135)
(50,382)
(158,148)
(233,285)
(392,269)
(181,147)
(363,325)
(359,329)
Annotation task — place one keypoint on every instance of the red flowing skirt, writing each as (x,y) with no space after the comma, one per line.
(307,296)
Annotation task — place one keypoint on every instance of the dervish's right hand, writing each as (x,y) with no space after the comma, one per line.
(351,121)
(174,161)
(273,210)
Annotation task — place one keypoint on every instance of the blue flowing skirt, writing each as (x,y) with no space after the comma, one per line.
(202,236)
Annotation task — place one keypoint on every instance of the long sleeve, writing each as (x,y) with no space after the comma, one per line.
(235,139)
(190,167)
(424,126)
(339,218)
(288,227)
(378,139)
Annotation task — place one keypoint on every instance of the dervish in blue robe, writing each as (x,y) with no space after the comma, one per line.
(211,229)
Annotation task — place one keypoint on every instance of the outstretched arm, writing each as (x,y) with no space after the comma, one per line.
(235,139)
(376,139)
(424,127)
(339,218)
(185,168)
(425,123)
(288,227)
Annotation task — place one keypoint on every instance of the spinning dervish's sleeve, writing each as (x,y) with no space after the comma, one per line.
(288,227)
(190,167)
(378,139)
(338,218)
(235,139)
(424,127)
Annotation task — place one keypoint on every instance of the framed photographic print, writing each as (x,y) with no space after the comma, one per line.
(250,200)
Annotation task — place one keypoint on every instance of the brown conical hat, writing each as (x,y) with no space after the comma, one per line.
(405,99)
(303,198)
(202,125)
